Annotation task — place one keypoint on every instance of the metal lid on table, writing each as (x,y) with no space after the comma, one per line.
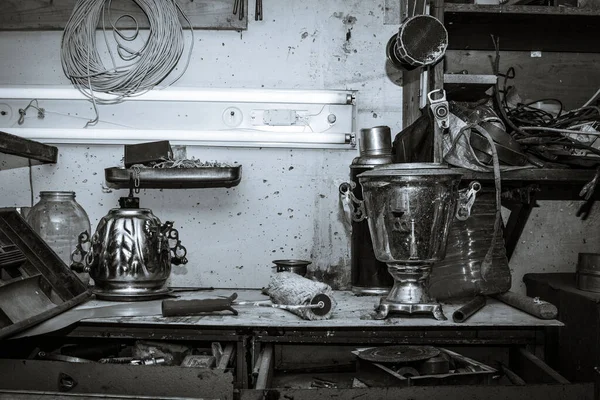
(410,169)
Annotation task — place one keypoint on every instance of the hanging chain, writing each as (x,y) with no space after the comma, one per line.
(136,178)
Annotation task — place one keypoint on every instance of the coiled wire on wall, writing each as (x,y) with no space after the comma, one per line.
(144,68)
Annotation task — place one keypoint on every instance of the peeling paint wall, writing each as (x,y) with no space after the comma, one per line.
(553,238)
(286,205)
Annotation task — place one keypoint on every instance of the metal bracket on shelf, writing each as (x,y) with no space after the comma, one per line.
(439,107)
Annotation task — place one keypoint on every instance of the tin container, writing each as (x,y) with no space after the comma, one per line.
(299,267)
(369,275)
(588,272)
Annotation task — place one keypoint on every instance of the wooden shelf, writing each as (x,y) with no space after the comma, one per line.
(550,184)
(512,9)
(522,28)
(467,87)
(15,145)
(53,15)
(537,175)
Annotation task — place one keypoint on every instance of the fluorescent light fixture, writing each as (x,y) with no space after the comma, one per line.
(227,137)
(292,96)
(317,130)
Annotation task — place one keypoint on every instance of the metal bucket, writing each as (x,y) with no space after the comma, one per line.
(422,40)
(588,272)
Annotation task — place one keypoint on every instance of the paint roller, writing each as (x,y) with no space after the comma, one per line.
(293,289)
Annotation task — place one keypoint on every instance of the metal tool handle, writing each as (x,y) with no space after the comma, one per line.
(268,303)
(356,207)
(466,199)
(175,308)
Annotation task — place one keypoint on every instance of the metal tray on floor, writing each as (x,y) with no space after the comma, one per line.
(176,178)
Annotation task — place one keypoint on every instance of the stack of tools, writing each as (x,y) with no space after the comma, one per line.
(418,365)
(290,288)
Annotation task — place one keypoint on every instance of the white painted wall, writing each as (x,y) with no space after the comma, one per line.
(286,205)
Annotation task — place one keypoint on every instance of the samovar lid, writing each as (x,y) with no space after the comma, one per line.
(410,169)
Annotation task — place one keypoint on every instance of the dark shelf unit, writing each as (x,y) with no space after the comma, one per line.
(522,28)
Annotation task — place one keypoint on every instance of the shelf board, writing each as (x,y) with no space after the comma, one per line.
(15,145)
(552,184)
(176,178)
(522,28)
(520,10)
(468,87)
(536,175)
(54,14)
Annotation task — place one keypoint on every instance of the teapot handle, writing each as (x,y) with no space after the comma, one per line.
(178,252)
(80,255)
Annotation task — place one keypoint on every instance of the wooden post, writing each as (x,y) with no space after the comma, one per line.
(436,81)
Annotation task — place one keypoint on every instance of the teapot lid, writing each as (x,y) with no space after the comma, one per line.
(129,202)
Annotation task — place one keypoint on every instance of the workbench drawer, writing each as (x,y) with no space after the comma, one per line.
(153,381)
(532,380)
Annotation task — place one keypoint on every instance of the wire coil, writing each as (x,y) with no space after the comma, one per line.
(142,69)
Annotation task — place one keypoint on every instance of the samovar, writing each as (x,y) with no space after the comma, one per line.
(129,256)
(409,209)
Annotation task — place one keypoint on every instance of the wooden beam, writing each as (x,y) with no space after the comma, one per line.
(582,391)
(411,88)
(265,373)
(54,14)
(436,81)
(532,369)
(15,145)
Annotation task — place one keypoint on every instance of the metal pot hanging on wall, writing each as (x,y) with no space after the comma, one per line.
(421,41)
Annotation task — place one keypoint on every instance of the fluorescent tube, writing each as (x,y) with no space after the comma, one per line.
(292,96)
(233,137)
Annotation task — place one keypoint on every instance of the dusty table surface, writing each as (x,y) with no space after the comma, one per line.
(351,311)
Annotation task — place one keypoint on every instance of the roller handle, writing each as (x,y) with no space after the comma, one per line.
(178,308)
(533,306)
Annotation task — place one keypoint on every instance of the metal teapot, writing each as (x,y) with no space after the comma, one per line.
(129,256)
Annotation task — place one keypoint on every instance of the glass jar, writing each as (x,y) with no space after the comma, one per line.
(59,220)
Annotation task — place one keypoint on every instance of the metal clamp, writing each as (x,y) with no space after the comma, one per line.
(466,199)
(439,108)
(356,207)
